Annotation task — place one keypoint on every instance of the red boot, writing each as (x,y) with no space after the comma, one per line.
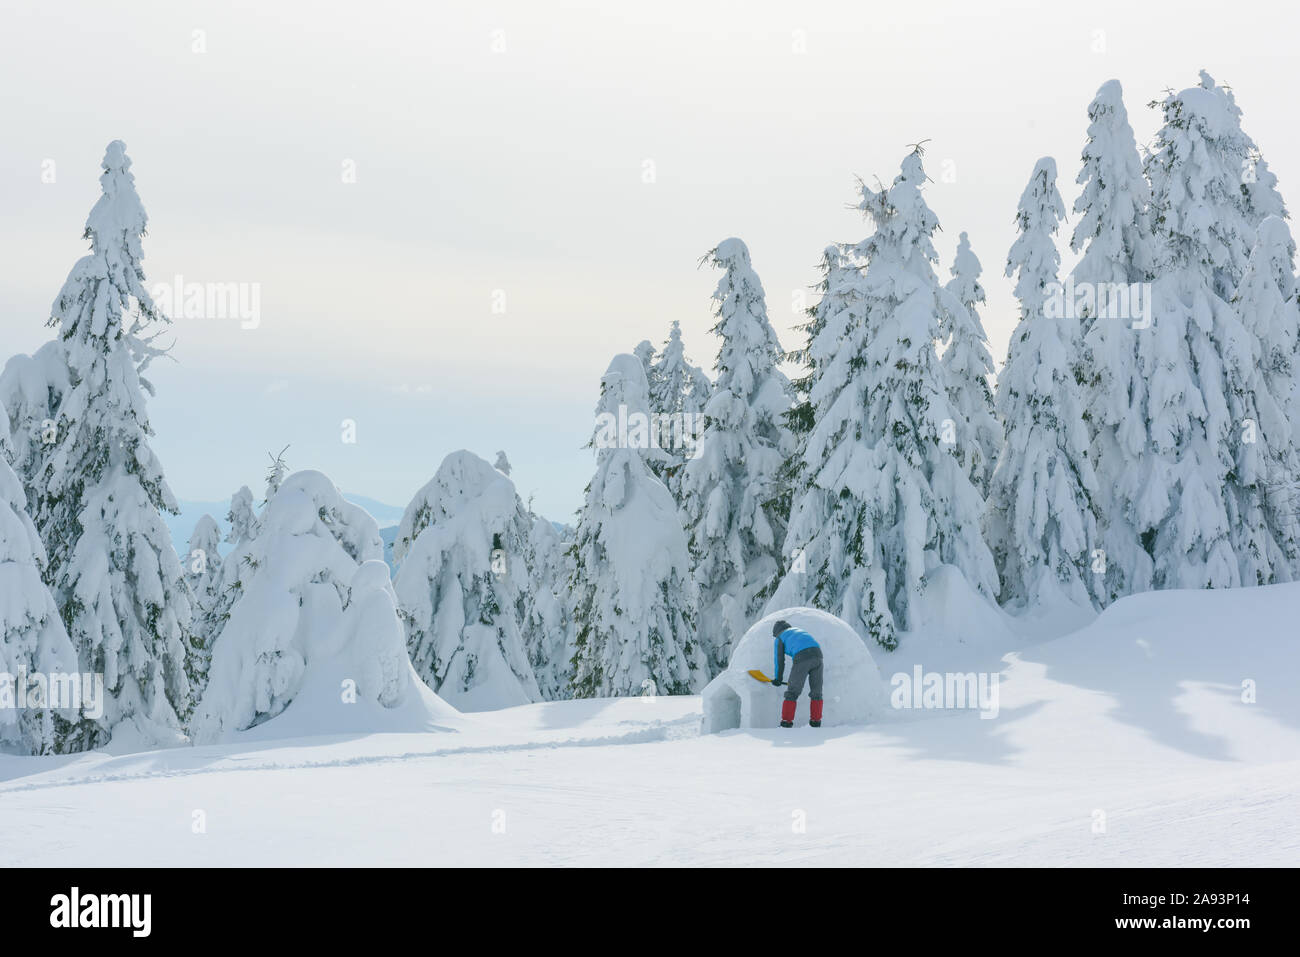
(815,713)
(787,714)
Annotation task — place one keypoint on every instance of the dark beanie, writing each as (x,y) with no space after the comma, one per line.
(779,627)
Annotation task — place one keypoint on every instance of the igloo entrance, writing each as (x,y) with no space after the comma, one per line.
(721,708)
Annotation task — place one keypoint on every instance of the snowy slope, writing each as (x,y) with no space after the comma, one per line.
(1135,722)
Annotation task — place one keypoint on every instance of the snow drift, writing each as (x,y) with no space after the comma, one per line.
(853,690)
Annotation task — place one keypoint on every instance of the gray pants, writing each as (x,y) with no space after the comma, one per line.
(807,664)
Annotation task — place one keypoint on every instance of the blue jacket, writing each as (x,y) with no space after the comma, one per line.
(789,642)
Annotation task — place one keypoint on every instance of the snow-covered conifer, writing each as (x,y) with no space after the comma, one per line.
(882,498)
(31,388)
(225,590)
(242,517)
(676,379)
(275,473)
(33,642)
(100,491)
(204,560)
(840,292)
(1179,493)
(548,630)
(1112,233)
(1262,376)
(314,600)
(463,586)
(203,565)
(679,390)
(1042,523)
(645,351)
(1117,251)
(1201,165)
(967,366)
(634,600)
(835,287)
(731,487)
(1258,183)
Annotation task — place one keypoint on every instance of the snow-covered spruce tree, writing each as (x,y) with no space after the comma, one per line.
(697,394)
(225,591)
(1205,163)
(33,641)
(275,473)
(548,630)
(100,491)
(1257,182)
(839,290)
(1262,377)
(1117,251)
(502,464)
(203,559)
(730,488)
(1112,233)
(463,586)
(1185,499)
(634,601)
(679,390)
(1042,523)
(1255,521)
(242,517)
(883,498)
(314,600)
(967,366)
(1262,196)
(31,388)
(203,565)
(645,351)
(678,384)
(833,559)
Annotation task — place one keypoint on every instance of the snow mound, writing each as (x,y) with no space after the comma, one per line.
(853,690)
(953,624)
(315,614)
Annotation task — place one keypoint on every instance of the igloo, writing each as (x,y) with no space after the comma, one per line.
(853,691)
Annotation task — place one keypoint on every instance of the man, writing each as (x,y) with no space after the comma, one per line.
(807,663)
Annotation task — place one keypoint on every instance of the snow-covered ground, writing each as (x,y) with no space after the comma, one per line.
(1125,743)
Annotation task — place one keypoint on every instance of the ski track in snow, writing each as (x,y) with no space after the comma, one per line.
(660,731)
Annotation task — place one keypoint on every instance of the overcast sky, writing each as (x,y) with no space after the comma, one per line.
(504,148)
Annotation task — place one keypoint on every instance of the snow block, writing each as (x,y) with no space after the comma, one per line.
(853,690)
